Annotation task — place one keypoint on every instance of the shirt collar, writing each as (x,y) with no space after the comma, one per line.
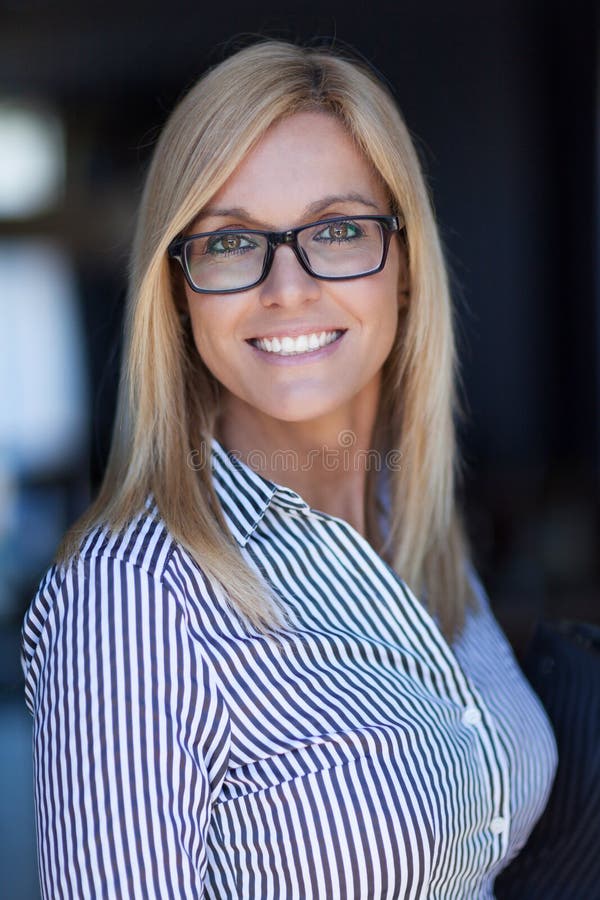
(245,495)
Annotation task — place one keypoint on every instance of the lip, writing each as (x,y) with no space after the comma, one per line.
(296,359)
(295,331)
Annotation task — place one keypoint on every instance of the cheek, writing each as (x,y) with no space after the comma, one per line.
(388,330)
(385,320)
(386,304)
(212,326)
(198,332)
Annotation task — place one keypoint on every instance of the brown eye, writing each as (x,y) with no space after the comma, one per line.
(339,232)
(223,245)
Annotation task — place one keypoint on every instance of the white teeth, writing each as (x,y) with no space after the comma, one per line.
(287,346)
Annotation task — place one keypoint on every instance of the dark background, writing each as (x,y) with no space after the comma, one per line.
(502,100)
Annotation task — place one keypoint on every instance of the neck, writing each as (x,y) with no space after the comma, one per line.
(325,460)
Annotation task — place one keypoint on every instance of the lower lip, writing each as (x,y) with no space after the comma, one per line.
(297,359)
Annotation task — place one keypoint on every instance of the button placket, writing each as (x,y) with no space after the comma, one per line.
(477,716)
(498,825)
(494,765)
(471,716)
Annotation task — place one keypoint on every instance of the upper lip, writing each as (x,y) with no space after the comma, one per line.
(295,331)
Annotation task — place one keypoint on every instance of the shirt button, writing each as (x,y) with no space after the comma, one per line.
(471,716)
(498,825)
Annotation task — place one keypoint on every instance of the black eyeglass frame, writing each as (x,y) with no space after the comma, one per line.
(389,224)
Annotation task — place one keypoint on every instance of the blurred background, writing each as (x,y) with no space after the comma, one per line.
(502,98)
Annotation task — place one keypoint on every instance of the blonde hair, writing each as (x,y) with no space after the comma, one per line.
(168,400)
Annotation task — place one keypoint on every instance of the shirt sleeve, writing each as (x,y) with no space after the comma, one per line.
(131,735)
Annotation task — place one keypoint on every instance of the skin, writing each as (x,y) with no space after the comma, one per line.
(305,168)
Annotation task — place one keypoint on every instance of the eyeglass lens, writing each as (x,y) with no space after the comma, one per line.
(222,261)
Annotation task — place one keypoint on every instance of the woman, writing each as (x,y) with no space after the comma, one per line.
(235,693)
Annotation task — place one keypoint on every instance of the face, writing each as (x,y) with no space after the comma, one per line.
(304,169)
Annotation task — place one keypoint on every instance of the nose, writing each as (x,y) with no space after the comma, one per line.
(288,284)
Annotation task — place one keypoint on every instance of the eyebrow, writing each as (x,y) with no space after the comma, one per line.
(313,209)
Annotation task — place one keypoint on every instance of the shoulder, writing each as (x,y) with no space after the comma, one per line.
(145,543)
(481,603)
(482,640)
(480,618)
(115,578)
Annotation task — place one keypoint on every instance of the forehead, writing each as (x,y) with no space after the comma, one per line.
(300,161)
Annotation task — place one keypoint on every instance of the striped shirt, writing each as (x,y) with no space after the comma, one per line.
(180,755)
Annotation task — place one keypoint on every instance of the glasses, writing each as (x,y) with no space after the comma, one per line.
(236,259)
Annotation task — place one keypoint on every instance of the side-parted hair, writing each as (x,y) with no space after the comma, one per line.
(169,401)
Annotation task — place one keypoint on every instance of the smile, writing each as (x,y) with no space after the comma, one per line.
(291,346)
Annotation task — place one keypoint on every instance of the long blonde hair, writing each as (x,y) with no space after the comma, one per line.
(168,400)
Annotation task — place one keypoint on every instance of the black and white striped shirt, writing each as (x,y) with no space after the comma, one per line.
(179,756)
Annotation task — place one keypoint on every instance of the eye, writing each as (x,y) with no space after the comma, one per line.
(228,244)
(339,232)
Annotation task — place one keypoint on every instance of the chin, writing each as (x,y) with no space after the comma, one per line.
(297,414)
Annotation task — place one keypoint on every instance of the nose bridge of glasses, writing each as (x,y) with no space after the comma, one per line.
(277,238)
(289,239)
